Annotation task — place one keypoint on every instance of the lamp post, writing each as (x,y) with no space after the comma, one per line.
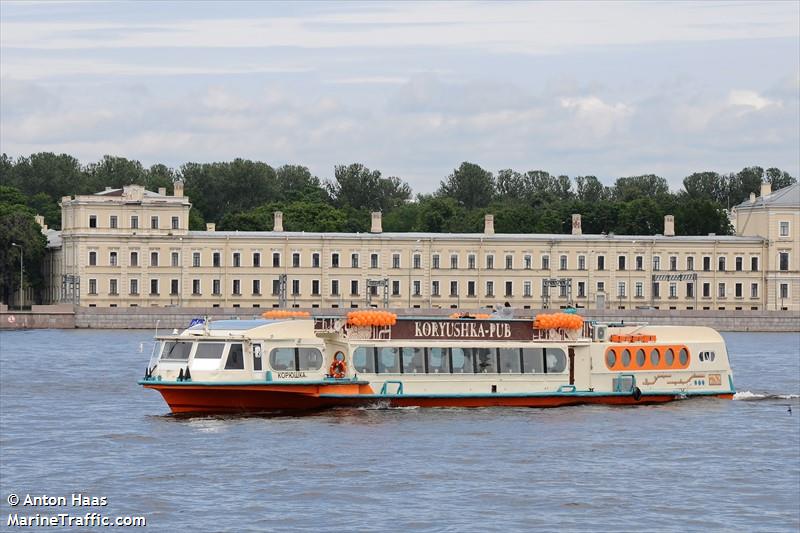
(15,245)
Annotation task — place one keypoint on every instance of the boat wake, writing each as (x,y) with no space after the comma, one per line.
(756,396)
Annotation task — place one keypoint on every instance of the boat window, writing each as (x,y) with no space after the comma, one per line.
(413,360)
(626,358)
(556,360)
(640,357)
(364,360)
(655,357)
(282,359)
(257,358)
(462,360)
(309,359)
(611,358)
(669,357)
(438,361)
(388,360)
(532,360)
(209,350)
(485,360)
(509,360)
(711,354)
(235,358)
(683,356)
(177,350)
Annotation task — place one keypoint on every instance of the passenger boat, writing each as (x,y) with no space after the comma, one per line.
(375,358)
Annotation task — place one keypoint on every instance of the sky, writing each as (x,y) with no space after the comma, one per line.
(411,89)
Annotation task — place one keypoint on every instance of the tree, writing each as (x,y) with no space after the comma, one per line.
(745,181)
(590,189)
(296,182)
(700,216)
(17,225)
(469,185)
(114,172)
(707,185)
(642,216)
(158,176)
(638,187)
(779,179)
(358,187)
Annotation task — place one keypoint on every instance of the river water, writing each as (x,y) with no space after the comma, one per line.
(73,420)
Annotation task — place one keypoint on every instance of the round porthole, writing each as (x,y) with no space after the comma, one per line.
(640,357)
(669,356)
(626,358)
(655,357)
(611,359)
(683,356)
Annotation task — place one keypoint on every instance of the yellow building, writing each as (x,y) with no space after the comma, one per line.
(132,247)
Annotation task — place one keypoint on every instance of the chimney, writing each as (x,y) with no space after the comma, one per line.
(162,191)
(576,225)
(377,224)
(488,225)
(752,197)
(669,226)
(766,188)
(210,226)
(277,224)
(178,188)
(40,220)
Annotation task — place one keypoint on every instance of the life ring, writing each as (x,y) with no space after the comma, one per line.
(637,393)
(338,367)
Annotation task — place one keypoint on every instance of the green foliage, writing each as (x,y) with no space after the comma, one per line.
(17,225)
(637,187)
(469,185)
(358,187)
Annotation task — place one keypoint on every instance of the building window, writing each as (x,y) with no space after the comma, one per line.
(112,259)
(706,264)
(134,222)
(395,288)
(196,287)
(354,287)
(656,262)
(173,287)
(639,263)
(526,288)
(237,287)
(276,287)
(656,289)
(256,287)
(315,287)
(176,223)
(92,286)
(754,264)
(562,291)
(581,289)
(334,287)
(601,262)
(334,260)
(454,262)
(562,262)
(690,289)
(134,287)
(471,261)
(581,262)
(706,290)
(112,222)
(673,290)
(453,288)
(395,260)
(783,261)
(490,288)
(509,262)
(112,287)
(92,258)
(739,263)
(435,288)
(509,288)
(673,263)
(601,286)
(690,263)
(196,259)
(153,287)
(175,259)
(153,259)
(134,259)
(435,262)
(296,260)
(754,290)
(315,260)
(92,221)
(373,261)
(417,261)
(639,290)
(721,290)
(528,261)
(470,288)
(737,290)
(721,264)
(621,262)
(489,262)
(417,287)
(276,260)
(217,259)
(621,289)
(216,287)
(256,259)
(784,228)
(545,262)
(154,222)
(784,291)
(353,260)
(295,287)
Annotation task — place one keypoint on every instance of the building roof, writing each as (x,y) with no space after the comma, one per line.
(119,192)
(786,197)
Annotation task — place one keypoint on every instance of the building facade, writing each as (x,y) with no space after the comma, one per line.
(132,247)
